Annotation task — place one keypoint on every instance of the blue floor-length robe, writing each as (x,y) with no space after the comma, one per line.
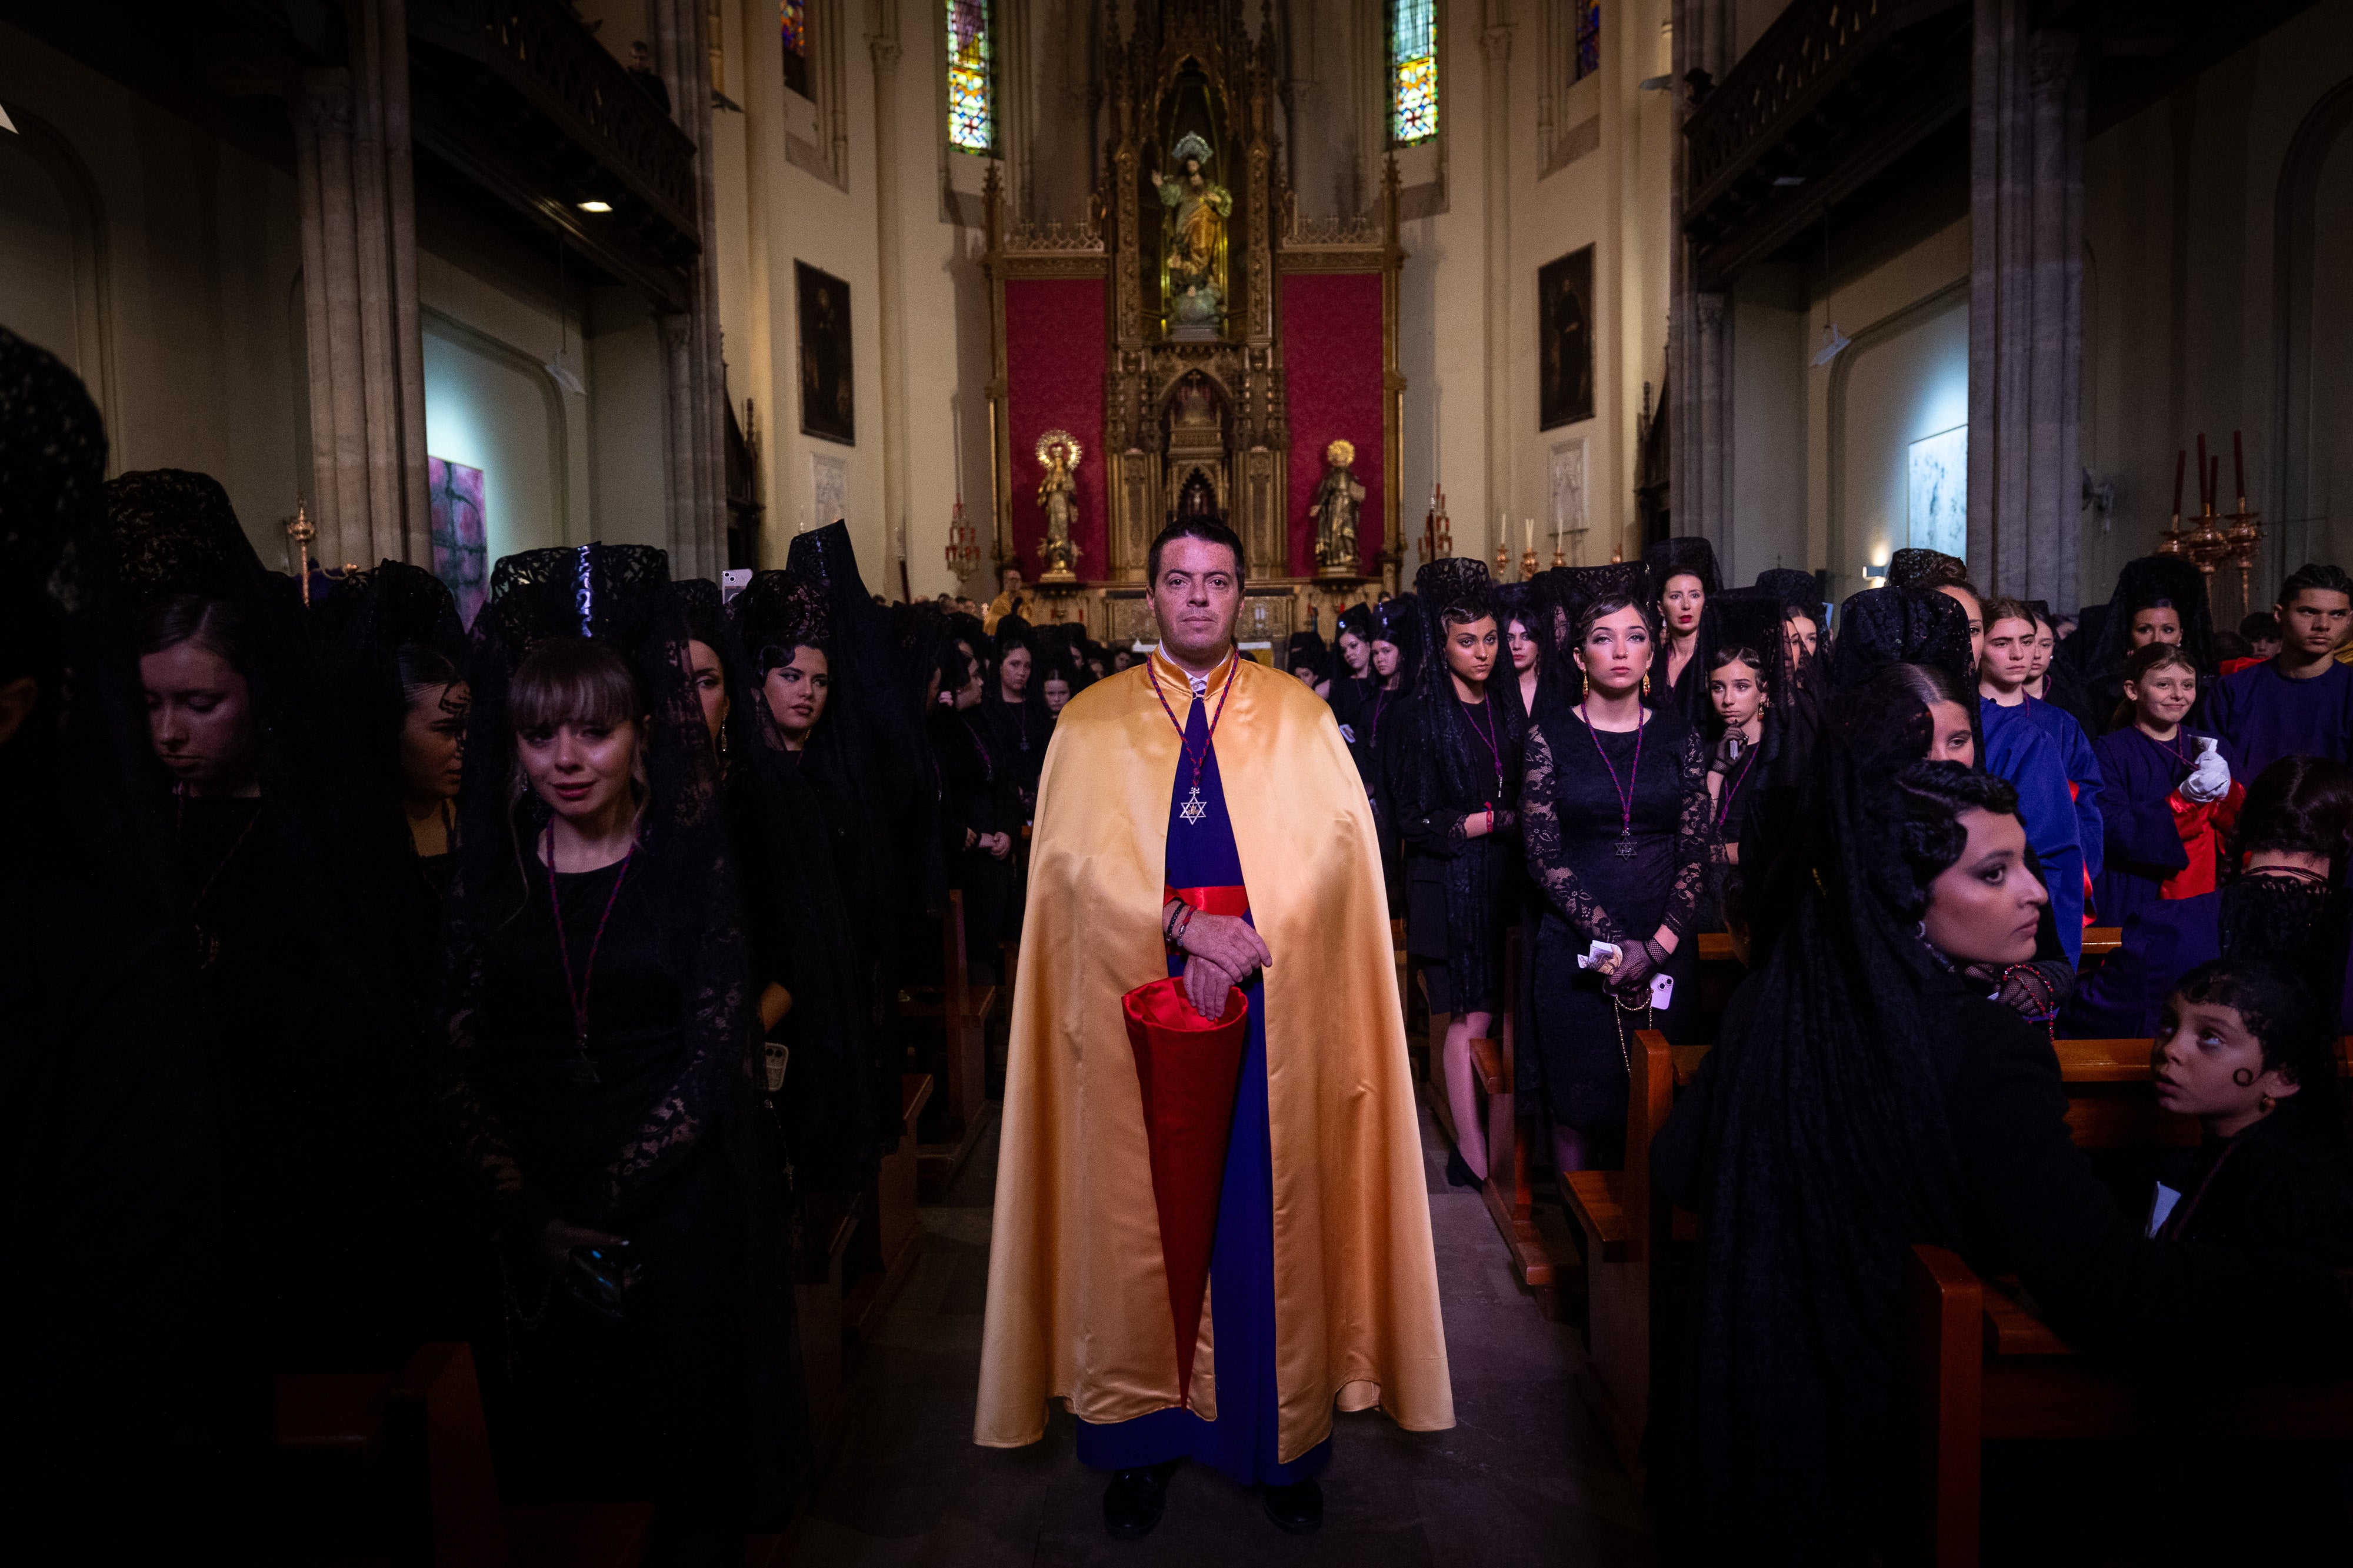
(1242,1441)
(2163,938)
(2018,750)
(2262,715)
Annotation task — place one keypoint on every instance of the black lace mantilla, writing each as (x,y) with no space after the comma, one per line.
(618,594)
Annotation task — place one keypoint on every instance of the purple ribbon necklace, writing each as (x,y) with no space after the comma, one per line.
(584,1071)
(1195,808)
(1624,848)
(1487,734)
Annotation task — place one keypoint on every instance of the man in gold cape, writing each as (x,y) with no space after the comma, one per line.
(1325,1293)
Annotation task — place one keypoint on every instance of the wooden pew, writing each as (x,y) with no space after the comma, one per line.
(1976,1366)
(960,1009)
(431,1482)
(1625,1231)
(2102,939)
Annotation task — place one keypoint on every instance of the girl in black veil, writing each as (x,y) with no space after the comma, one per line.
(1352,682)
(1749,701)
(307,1054)
(815,1078)
(1521,672)
(1454,783)
(113,1364)
(596,1010)
(1684,587)
(1399,644)
(1863,1097)
(980,811)
(2158,599)
(1014,708)
(1614,818)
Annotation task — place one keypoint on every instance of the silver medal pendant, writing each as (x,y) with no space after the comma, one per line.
(1195,808)
(1625,847)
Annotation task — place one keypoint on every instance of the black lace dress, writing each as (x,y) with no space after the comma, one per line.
(1462,893)
(980,792)
(1571,815)
(637,1136)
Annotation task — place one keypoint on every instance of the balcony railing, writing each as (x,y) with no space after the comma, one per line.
(1780,84)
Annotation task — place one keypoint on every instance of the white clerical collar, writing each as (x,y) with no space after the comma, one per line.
(1199,683)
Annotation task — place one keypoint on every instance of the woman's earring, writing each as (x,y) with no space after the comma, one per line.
(2265,1102)
(1646,686)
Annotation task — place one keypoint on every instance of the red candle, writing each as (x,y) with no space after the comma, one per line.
(2205,497)
(2214,483)
(2239,466)
(2180,468)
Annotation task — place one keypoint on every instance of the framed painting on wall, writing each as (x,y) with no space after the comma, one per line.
(460,547)
(1565,318)
(1939,487)
(828,408)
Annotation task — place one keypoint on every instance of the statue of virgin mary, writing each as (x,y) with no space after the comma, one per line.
(1194,243)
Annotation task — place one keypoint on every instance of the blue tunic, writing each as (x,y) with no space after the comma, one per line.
(2018,750)
(2163,938)
(1243,1441)
(2262,715)
(2078,756)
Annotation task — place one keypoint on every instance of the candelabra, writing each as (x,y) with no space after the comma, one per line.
(1437,529)
(2218,539)
(1504,562)
(964,544)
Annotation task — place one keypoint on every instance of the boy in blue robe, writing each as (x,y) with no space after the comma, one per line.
(2299,702)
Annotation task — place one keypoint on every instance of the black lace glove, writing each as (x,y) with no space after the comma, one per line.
(1637,961)
(1728,752)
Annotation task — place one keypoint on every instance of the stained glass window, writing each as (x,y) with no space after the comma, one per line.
(1413,64)
(972,120)
(1588,39)
(794,17)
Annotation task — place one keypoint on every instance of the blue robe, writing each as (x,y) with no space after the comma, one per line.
(2082,761)
(2018,750)
(2163,938)
(2262,715)
(1241,1442)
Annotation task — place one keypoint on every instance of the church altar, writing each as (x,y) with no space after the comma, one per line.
(1202,349)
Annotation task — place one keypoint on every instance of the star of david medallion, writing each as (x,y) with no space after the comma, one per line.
(1195,808)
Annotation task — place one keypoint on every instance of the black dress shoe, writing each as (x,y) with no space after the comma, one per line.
(1133,1501)
(1297,1509)
(1458,1173)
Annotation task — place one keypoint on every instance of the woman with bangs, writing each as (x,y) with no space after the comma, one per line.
(601,1023)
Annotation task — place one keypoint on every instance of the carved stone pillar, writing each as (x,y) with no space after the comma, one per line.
(2026,305)
(890,293)
(359,297)
(694,377)
(1496,186)
(1698,401)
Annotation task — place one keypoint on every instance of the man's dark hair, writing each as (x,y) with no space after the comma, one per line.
(2315,574)
(1207,529)
(2261,627)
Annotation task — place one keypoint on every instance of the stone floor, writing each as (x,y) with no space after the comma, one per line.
(1525,1477)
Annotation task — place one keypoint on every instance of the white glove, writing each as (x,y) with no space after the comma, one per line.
(2209,778)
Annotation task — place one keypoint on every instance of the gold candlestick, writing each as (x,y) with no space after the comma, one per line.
(301,530)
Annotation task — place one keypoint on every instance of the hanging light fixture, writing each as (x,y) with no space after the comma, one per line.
(559,369)
(1834,342)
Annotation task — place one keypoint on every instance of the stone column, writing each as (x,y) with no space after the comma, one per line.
(2026,305)
(1496,188)
(890,296)
(1698,403)
(359,296)
(694,376)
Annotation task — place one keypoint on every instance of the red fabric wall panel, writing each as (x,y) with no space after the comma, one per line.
(1331,366)
(1054,362)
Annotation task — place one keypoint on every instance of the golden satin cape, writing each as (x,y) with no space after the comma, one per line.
(1078,1298)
